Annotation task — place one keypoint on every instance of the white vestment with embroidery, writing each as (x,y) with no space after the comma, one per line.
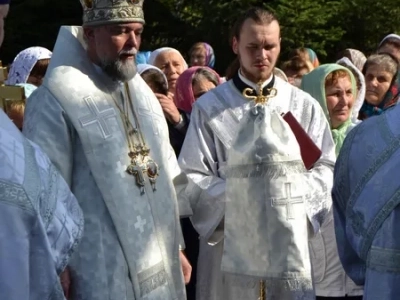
(214,126)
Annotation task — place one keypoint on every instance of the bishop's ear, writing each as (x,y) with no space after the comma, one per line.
(235,46)
(88,34)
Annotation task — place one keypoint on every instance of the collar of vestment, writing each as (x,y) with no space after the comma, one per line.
(241,83)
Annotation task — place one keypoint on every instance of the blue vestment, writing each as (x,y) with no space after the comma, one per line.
(40,220)
(366,195)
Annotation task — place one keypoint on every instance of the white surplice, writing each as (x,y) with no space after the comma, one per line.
(214,122)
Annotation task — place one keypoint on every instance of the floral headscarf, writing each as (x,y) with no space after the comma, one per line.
(184,97)
(24,63)
(313,57)
(390,99)
(210,56)
(356,57)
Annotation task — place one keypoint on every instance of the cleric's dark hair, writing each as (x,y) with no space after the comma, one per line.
(257,14)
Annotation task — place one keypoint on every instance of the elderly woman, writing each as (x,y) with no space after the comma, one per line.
(202,55)
(157,81)
(382,85)
(29,66)
(193,83)
(334,87)
(172,64)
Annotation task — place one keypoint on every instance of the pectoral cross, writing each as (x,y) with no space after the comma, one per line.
(152,171)
(137,170)
(260,98)
(262,291)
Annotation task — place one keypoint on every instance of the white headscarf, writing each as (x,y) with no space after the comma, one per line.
(361,96)
(24,63)
(144,67)
(157,52)
(392,35)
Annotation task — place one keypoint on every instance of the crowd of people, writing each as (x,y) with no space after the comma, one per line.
(140,175)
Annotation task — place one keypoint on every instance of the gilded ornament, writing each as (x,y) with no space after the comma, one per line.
(101,12)
(260,98)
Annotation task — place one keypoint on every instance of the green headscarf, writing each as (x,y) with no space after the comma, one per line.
(314,84)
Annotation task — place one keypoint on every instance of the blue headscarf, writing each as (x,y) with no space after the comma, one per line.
(142,57)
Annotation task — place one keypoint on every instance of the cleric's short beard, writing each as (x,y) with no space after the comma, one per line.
(118,69)
(253,77)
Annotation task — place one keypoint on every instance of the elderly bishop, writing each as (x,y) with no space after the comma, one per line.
(105,131)
(253,200)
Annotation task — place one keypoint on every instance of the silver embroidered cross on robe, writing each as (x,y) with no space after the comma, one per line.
(266,238)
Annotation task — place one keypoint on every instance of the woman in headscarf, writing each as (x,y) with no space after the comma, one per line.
(313,57)
(29,66)
(202,55)
(158,83)
(307,54)
(357,58)
(360,84)
(390,45)
(334,87)
(382,80)
(192,84)
(171,62)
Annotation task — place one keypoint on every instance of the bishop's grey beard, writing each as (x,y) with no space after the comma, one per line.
(118,69)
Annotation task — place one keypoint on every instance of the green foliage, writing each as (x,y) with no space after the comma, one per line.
(307,23)
(366,22)
(326,26)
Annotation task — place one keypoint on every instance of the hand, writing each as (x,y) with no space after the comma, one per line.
(169,108)
(65,279)
(186,267)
